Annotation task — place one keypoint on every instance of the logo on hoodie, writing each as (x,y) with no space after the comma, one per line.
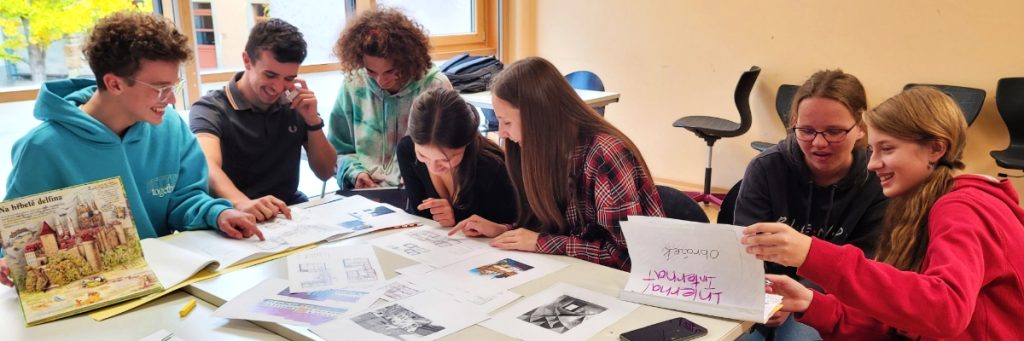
(162,185)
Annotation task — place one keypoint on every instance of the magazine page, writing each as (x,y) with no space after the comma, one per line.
(74,249)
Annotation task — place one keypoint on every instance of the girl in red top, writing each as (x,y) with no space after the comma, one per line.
(576,175)
(949,265)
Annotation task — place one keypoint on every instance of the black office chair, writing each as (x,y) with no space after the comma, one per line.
(969,99)
(1010,102)
(728,209)
(783,102)
(678,205)
(713,128)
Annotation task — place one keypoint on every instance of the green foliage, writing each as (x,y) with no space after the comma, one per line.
(66,266)
(120,255)
(51,20)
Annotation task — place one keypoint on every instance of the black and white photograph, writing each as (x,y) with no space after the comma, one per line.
(396,321)
(565,313)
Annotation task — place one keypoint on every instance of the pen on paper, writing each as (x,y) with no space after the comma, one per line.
(187,308)
(168,337)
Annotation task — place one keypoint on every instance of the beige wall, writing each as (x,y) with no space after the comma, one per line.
(676,58)
(232,20)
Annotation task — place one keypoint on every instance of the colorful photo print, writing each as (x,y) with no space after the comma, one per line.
(565,313)
(396,321)
(355,225)
(298,312)
(371,212)
(504,268)
(337,295)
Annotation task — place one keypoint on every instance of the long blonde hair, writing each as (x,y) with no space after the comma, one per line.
(923,115)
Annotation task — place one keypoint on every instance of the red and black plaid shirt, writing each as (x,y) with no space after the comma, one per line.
(611,185)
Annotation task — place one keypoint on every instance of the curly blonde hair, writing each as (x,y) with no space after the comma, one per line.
(119,42)
(385,33)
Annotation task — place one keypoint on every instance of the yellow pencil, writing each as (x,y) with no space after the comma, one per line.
(187,308)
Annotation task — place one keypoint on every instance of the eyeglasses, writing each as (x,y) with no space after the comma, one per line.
(833,135)
(163,91)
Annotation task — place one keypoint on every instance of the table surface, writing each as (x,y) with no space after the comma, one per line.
(201,325)
(580,273)
(162,313)
(594,98)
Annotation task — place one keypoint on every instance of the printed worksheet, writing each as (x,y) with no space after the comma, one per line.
(273,301)
(695,267)
(561,312)
(421,317)
(281,234)
(432,246)
(327,267)
(491,272)
(358,215)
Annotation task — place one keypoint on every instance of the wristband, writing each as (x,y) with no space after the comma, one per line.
(317,126)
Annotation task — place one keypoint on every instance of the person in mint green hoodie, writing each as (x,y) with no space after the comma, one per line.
(123,126)
(384,56)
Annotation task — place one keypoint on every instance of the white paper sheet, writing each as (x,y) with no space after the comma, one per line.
(421,317)
(491,272)
(561,312)
(398,288)
(281,234)
(432,246)
(161,335)
(417,269)
(334,268)
(695,267)
(359,215)
(172,264)
(272,301)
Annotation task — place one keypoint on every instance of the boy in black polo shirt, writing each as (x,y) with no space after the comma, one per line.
(253,129)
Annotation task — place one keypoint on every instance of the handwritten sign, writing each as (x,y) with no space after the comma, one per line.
(695,267)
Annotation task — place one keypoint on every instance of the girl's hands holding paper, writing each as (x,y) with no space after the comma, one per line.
(796,298)
(776,242)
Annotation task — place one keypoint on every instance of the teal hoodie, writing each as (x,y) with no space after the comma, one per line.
(162,168)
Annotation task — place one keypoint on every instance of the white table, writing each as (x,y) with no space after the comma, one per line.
(159,314)
(580,273)
(593,98)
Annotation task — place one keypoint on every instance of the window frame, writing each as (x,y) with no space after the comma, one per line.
(488,16)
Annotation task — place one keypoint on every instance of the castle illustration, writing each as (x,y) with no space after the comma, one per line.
(84,231)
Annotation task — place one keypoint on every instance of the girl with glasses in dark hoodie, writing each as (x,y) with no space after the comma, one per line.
(816,181)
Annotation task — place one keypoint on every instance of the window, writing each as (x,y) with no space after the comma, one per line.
(439,17)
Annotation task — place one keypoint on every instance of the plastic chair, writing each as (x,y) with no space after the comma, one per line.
(728,208)
(678,205)
(969,99)
(586,80)
(783,102)
(1010,102)
(713,128)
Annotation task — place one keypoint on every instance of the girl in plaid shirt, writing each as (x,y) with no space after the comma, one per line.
(576,176)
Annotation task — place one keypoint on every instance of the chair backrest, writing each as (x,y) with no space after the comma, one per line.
(742,98)
(585,80)
(784,101)
(725,214)
(969,99)
(678,205)
(1010,102)
(490,121)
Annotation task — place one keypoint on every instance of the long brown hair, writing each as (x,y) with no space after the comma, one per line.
(440,117)
(837,86)
(924,115)
(553,117)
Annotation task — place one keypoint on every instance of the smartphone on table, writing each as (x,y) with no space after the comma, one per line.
(677,329)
